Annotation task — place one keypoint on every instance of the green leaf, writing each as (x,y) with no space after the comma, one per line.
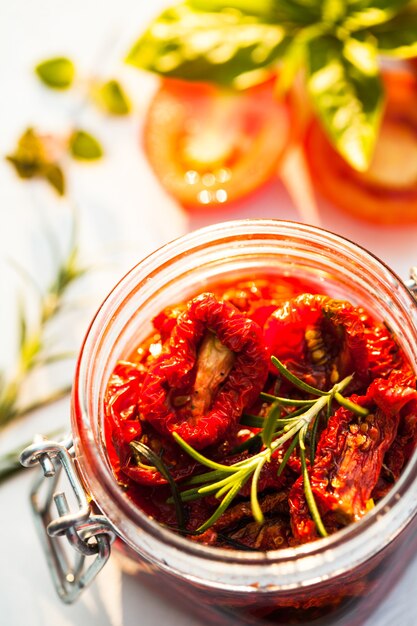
(368,13)
(200,458)
(287,454)
(264,9)
(112,98)
(57,73)
(297,382)
(31,160)
(29,156)
(270,423)
(255,506)
(347,95)
(311,503)
(333,11)
(398,37)
(55,177)
(228,47)
(234,490)
(140,449)
(84,146)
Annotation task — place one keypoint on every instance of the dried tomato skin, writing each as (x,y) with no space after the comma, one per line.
(121,404)
(179,464)
(174,370)
(337,338)
(350,454)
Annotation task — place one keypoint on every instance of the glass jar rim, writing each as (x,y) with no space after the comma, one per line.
(390,519)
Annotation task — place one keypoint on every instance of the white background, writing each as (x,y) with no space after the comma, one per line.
(124,215)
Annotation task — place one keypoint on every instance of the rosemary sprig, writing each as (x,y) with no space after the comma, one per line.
(32,341)
(140,450)
(226,481)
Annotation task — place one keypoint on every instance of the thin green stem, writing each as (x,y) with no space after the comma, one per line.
(352,406)
(311,503)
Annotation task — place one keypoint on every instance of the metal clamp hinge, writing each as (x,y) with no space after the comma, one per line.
(88,535)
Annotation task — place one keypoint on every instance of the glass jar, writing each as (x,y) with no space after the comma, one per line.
(338,578)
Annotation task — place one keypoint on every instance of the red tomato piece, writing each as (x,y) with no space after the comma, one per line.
(318,338)
(209,145)
(387,192)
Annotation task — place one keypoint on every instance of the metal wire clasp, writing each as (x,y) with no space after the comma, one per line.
(412,283)
(89,536)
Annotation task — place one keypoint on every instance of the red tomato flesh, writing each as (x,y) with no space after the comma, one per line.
(387,192)
(209,145)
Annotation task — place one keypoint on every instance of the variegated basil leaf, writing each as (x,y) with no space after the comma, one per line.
(398,36)
(369,13)
(222,47)
(347,95)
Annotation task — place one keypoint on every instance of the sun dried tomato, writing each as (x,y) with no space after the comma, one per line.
(384,354)
(201,413)
(122,403)
(319,338)
(179,464)
(350,454)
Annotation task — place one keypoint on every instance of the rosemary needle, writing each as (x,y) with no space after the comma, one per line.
(226,481)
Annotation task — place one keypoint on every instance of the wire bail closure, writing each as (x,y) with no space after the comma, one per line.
(89,535)
(411,284)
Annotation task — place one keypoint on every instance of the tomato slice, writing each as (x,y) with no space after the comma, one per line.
(209,145)
(387,192)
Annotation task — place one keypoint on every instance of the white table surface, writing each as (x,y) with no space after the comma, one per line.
(124,214)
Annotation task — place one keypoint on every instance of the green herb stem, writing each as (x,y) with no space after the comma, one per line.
(228,480)
(311,503)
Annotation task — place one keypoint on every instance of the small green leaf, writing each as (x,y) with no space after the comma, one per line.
(31,160)
(234,490)
(112,98)
(398,37)
(254,502)
(294,12)
(366,14)
(84,146)
(227,47)
(29,156)
(287,454)
(57,73)
(201,458)
(311,502)
(140,449)
(55,176)
(333,11)
(347,95)
(268,430)
(297,382)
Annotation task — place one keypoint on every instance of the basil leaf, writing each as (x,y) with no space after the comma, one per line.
(347,95)
(398,37)
(333,11)
(57,73)
(84,146)
(224,47)
(368,13)
(264,9)
(112,98)
(294,58)
(295,12)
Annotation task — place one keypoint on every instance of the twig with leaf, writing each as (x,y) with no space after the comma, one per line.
(226,481)
(33,352)
(334,44)
(40,155)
